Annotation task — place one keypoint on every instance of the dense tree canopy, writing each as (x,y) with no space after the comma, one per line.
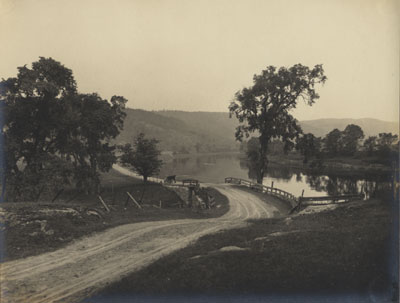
(333,142)
(351,137)
(264,107)
(308,145)
(52,134)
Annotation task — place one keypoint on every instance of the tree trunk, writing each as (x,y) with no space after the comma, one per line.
(144,188)
(263,163)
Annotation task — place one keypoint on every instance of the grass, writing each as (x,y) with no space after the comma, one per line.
(344,251)
(34,228)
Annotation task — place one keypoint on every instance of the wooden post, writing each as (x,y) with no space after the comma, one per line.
(104,204)
(57,195)
(302,193)
(272,184)
(190,196)
(133,199)
(73,197)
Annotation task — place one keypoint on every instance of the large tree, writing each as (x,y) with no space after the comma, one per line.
(370,144)
(52,134)
(142,157)
(333,142)
(386,144)
(351,137)
(264,108)
(308,145)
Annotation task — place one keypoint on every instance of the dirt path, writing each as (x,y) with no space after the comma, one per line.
(78,270)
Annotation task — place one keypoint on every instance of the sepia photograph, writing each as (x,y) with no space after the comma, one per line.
(199,151)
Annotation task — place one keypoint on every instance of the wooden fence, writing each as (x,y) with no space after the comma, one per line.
(185,183)
(190,182)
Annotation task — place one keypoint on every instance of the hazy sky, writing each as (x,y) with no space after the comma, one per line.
(195,54)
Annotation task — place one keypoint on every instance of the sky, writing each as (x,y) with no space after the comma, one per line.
(195,54)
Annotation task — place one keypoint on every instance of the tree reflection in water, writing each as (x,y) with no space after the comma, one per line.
(371,185)
(281,173)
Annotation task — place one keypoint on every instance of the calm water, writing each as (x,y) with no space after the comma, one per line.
(217,167)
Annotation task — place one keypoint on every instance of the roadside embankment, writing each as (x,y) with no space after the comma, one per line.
(31,228)
(89,264)
(347,250)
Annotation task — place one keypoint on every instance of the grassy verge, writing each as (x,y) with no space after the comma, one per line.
(33,228)
(344,251)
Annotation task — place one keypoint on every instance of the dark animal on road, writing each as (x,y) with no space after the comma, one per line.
(170,179)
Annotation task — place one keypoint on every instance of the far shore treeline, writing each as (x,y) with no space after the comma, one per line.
(53,136)
(347,144)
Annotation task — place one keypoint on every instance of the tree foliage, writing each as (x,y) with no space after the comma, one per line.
(351,137)
(142,157)
(333,142)
(52,134)
(309,146)
(370,145)
(386,141)
(264,107)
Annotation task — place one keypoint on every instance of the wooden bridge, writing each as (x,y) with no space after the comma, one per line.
(185,182)
(273,191)
(295,202)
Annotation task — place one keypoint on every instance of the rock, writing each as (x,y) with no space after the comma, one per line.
(196,257)
(49,232)
(232,248)
(288,220)
(278,233)
(64,211)
(281,233)
(93,213)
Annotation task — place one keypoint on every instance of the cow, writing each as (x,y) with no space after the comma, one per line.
(170,179)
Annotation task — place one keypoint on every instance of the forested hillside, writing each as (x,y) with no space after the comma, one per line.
(186,132)
(182,132)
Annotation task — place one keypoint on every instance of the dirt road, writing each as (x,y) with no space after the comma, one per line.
(80,269)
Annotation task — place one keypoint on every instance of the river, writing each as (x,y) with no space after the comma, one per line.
(214,168)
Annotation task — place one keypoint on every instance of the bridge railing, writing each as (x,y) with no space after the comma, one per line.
(329,199)
(296,202)
(273,191)
(190,182)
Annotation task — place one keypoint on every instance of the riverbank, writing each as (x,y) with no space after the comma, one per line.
(30,228)
(169,156)
(342,165)
(346,251)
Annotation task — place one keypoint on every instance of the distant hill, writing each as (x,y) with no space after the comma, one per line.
(371,127)
(182,131)
(208,123)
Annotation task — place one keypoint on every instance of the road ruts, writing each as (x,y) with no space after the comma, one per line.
(85,266)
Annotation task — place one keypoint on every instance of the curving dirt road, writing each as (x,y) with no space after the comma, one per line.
(82,268)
